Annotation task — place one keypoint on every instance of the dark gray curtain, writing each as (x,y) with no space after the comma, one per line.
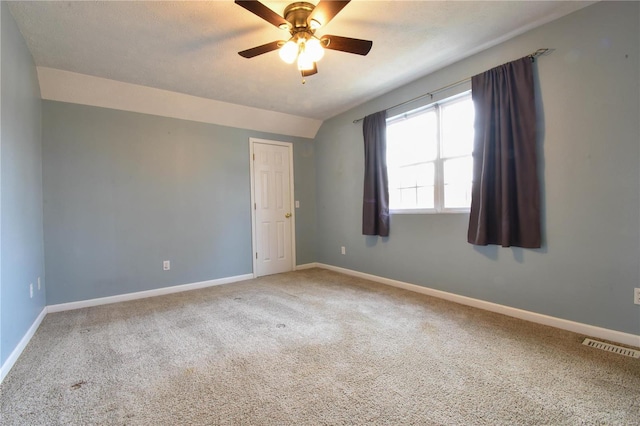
(505,200)
(375,204)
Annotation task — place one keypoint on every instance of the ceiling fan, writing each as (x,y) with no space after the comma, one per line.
(302,19)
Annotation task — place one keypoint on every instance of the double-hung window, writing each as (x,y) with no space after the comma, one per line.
(429,161)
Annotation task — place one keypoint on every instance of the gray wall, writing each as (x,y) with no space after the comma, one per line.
(588,94)
(124,191)
(21,238)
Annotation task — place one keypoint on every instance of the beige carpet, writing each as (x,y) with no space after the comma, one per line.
(311,348)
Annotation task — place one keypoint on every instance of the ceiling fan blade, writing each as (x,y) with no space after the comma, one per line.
(259,50)
(347,44)
(307,73)
(325,11)
(263,12)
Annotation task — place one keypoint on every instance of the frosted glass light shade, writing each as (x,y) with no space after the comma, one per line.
(289,52)
(314,49)
(305,62)
(314,24)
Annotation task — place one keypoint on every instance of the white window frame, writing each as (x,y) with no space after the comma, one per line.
(438,162)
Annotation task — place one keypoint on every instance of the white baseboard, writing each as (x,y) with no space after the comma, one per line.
(8,364)
(585,329)
(576,327)
(144,294)
(307,266)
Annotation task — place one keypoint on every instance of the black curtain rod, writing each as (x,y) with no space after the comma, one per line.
(532,56)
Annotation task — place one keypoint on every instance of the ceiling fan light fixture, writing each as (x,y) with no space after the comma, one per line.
(314,24)
(301,19)
(314,49)
(305,62)
(289,52)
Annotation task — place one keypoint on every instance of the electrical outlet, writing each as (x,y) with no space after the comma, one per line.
(166,265)
(31,290)
(636,296)
(343,250)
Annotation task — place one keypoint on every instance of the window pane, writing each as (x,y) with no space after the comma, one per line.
(412,186)
(412,198)
(457,196)
(394,198)
(458,170)
(457,128)
(426,174)
(407,198)
(392,178)
(413,140)
(425,197)
(457,182)
(407,176)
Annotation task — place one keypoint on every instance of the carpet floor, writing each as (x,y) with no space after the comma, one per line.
(311,347)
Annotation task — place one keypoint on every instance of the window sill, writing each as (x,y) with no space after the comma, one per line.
(427,211)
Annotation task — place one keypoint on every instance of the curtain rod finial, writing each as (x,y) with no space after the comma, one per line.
(540,52)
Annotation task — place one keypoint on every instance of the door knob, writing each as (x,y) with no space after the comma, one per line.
(288,215)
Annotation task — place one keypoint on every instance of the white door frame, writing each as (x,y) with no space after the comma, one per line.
(254,245)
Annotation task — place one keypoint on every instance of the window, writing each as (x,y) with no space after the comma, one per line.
(429,159)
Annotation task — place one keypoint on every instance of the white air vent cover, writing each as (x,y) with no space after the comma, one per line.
(612,348)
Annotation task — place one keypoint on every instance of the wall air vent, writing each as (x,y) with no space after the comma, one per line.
(612,348)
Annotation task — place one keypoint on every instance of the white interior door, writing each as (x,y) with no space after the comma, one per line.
(273,213)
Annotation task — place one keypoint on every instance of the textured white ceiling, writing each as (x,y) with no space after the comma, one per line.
(191,47)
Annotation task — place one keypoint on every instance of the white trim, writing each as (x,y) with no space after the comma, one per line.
(8,364)
(576,327)
(254,244)
(66,86)
(307,266)
(430,211)
(144,294)
(585,329)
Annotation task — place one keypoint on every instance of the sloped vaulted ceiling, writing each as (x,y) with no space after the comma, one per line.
(185,48)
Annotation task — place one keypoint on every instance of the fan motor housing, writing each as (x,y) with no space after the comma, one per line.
(297,13)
